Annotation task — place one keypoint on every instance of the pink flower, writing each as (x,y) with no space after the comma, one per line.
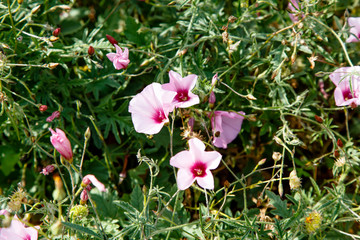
(182,86)
(150,108)
(226,126)
(195,164)
(344,94)
(92,179)
(61,143)
(293,6)
(354,24)
(120,59)
(18,231)
(48,169)
(214,79)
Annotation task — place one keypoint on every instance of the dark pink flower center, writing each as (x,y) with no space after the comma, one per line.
(159,116)
(199,169)
(182,96)
(27,237)
(348,95)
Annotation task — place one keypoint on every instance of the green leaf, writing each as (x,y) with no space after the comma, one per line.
(316,187)
(280,205)
(81,229)
(137,198)
(8,159)
(127,207)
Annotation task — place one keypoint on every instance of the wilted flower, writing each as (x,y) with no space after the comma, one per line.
(16,199)
(120,59)
(54,115)
(182,87)
(195,164)
(92,179)
(347,82)
(294,181)
(340,162)
(354,24)
(150,108)
(84,197)
(18,231)
(226,126)
(313,221)
(61,143)
(48,169)
(59,192)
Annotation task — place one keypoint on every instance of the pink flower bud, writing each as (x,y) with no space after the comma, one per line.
(92,179)
(111,39)
(43,108)
(48,169)
(91,50)
(54,115)
(212,99)
(214,79)
(56,32)
(84,197)
(61,143)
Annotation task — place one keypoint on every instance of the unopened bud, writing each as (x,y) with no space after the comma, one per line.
(336,154)
(111,39)
(35,9)
(53,65)
(262,161)
(214,79)
(87,134)
(182,52)
(276,156)
(56,228)
(319,119)
(232,19)
(212,99)
(278,140)
(43,108)
(293,57)
(339,143)
(53,38)
(48,169)
(281,189)
(20,1)
(250,97)
(56,32)
(84,197)
(91,50)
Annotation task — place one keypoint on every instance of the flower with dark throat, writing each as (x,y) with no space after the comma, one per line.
(195,165)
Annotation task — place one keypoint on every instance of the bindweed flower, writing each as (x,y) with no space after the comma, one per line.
(18,231)
(150,108)
(347,82)
(120,59)
(195,165)
(61,143)
(226,126)
(293,6)
(92,179)
(354,24)
(182,87)
(48,169)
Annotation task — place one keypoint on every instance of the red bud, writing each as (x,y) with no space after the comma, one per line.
(91,50)
(353,105)
(339,143)
(56,32)
(336,154)
(43,108)
(111,39)
(318,119)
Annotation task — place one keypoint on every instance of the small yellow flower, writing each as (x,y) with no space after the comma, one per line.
(313,221)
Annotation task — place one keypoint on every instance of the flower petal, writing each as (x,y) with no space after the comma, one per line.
(184,179)
(207,181)
(182,159)
(95,182)
(111,56)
